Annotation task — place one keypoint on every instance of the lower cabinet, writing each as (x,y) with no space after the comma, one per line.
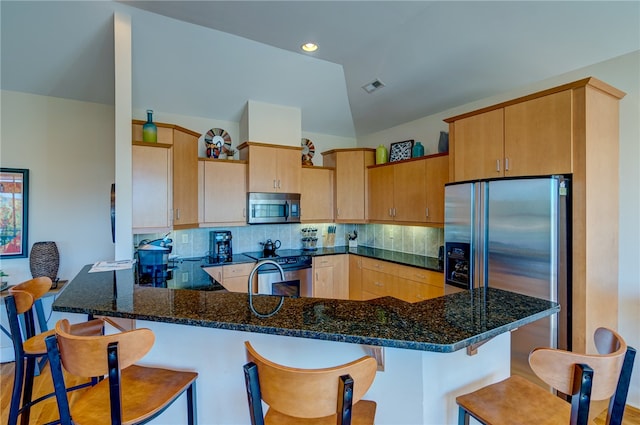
(355,277)
(411,284)
(331,277)
(234,277)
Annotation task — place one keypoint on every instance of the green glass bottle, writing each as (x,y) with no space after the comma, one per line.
(382,155)
(149,129)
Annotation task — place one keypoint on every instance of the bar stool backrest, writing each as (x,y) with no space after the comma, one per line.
(309,393)
(556,367)
(87,355)
(36,288)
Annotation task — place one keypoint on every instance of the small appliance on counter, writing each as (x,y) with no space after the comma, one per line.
(153,260)
(220,246)
(309,239)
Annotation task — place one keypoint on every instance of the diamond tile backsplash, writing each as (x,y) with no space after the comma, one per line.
(411,239)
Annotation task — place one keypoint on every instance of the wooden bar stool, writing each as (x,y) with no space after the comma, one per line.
(132,394)
(28,346)
(583,377)
(309,396)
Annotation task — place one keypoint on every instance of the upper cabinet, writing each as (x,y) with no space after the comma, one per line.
(151,187)
(350,184)
(185,178)
(222,192)
(316,197)
(272,168)
(174,157)
(529,138)
(409,192)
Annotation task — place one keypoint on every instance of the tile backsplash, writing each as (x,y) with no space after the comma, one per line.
(411,239)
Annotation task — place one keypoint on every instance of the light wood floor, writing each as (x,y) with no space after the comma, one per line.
(46,411)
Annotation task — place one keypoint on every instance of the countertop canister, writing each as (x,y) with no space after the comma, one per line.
(382,155)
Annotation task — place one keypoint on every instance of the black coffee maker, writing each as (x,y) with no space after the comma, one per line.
(220,246)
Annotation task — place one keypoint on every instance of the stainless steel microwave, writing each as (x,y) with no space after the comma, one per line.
(270,208)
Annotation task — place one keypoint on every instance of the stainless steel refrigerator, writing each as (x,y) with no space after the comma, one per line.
(513,234)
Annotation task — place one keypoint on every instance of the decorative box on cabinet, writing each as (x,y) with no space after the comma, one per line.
(331,276)
(570,129)
(316,197)
(222,196)
(350,184)
(272,168)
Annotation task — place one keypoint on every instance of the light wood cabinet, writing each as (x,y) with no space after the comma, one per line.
(355,277)
(185,178)
(570,129)
(437,175)
(529,138)
(350,184)
(151,187)
(272,168)
(419,284)
(182,146)
(410,192)
(234,277)
(316,197)
(222,192)
(331,276)
(383,278)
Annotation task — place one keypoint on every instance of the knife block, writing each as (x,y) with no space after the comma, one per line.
(329,240)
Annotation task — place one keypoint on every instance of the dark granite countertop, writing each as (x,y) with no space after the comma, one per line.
(443,324)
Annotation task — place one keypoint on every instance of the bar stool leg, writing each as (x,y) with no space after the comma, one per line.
(192,418)
(28,390)
(16,394)
(463,416)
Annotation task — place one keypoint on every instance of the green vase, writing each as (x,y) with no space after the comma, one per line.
(418,150)
(382,155)
(149,129)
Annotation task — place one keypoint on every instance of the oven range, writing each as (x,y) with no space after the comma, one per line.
(297,273)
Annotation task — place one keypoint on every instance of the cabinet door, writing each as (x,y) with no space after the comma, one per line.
(322,277)
(437,174)
(478,150)
(410,192)
(355,277)
(316,199)
(537,136)
(288,171)
(381,193)
(151,188)
(262,169)
(350,193)
(215,272)
(224,193)
(185,180)
(341,277)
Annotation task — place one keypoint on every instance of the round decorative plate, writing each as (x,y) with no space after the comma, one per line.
(308,150)
(218,137)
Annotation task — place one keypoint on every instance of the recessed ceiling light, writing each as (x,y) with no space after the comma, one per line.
(309,47)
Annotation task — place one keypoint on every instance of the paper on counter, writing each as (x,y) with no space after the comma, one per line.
(105,266)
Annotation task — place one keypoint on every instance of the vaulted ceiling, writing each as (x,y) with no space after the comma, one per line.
(207,58)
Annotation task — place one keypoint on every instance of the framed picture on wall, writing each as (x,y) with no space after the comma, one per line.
(400,150)
(14,212)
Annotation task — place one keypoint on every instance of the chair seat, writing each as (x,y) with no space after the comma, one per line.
(363,413)
(146,392)
(35,346)
(516,401)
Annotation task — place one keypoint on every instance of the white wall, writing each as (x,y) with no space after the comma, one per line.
(622,73)
(68,146)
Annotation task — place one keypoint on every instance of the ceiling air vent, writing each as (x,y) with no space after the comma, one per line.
(373,86)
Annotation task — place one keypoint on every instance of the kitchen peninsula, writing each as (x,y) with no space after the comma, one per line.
(424,357)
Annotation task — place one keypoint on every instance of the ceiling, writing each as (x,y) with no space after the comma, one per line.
(430,55)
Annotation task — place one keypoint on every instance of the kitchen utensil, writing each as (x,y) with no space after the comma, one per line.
(269,247)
